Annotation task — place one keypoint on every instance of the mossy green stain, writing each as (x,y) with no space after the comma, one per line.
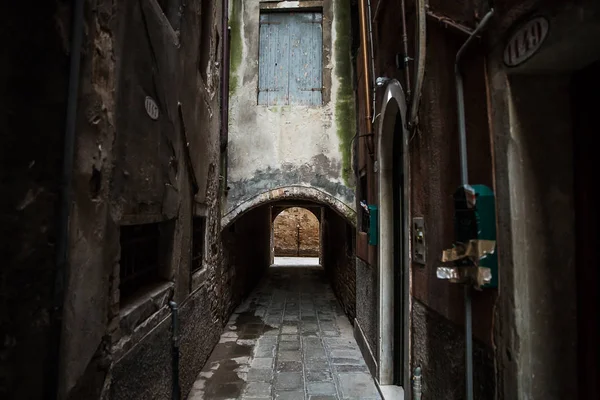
(236,46)
(344,106)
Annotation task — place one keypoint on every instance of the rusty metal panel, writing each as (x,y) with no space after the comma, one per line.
(290,59)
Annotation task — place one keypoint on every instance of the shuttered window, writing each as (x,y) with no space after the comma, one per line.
(290,59)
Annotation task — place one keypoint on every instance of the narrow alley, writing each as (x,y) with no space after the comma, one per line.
(290,340)
(299,199)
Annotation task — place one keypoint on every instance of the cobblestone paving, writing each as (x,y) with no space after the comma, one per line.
(289,340)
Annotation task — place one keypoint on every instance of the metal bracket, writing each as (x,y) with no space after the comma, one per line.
(419,246)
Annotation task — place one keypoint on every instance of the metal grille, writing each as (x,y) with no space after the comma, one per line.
(139,257)
(290,59)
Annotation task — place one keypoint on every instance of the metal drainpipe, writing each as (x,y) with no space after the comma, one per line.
(62,242)
(405,49)
(464,177)
(225,77)
(421,47)
(365,59)
(374,87)
(176,390)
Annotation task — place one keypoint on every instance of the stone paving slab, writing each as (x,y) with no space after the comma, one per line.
(289,340)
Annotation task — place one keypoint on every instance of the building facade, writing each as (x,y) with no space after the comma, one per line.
(87,295)
(521,78)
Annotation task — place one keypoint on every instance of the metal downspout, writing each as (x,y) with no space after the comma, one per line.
(405,49)
(175,388)
(365,59)
(374,87)
(225,77)
(66,179)
(464,178)
(421,39)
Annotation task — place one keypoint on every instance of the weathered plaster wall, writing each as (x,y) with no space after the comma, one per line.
(536,270)
(367,304)
(130,169)
(33,75)
(270,147)
(433,177)
(296,233)
(246,256)
(439,351)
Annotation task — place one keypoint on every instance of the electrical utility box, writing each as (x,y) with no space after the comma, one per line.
(475,222)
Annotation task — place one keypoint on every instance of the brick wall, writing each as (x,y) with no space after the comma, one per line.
(296,233)
(339,260)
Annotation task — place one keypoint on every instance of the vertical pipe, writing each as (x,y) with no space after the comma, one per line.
(225,78)
(371,50)
(462,130)
(464,178)
(417,386)
(176,390)
(420,51)
(365,59)
(62,243)
(405,49)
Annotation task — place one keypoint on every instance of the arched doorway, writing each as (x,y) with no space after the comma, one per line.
(393,240)
(296,236)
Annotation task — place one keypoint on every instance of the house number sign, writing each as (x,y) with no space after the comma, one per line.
(151,108)
(525,42)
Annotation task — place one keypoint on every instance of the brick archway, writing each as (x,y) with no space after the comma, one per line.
(298,193)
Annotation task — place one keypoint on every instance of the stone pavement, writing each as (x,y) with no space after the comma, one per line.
(296,262)
(289,340)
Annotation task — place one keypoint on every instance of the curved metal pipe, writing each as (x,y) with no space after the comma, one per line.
(421,38)
(464,178)
(462,130)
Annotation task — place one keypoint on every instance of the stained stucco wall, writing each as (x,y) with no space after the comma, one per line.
(433,175)
(270,147)
(536,112)
(129,170)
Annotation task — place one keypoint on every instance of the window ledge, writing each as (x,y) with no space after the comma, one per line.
(141,314)
(198,278)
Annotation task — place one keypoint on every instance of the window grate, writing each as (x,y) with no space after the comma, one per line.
(139,263)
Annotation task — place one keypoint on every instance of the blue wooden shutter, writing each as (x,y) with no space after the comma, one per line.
(306,49)
(290,59)
(273,60)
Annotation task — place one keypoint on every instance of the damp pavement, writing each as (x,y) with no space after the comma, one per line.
(290,340)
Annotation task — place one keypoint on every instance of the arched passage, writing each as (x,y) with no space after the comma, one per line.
(289,194)
(248,234)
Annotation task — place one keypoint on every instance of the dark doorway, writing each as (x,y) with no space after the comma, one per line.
(398,205)
(586,97)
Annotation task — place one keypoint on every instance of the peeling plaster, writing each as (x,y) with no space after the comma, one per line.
(274,146)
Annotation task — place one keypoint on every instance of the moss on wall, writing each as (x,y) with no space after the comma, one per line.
(344,106)
(236,46)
